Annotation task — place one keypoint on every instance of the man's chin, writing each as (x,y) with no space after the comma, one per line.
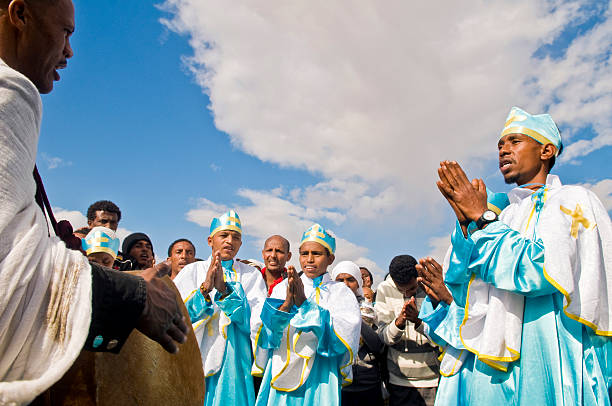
(510,179)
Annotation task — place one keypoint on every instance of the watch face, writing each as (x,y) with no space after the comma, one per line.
(489,215)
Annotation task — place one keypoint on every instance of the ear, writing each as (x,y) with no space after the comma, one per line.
(18,13)
(547,152)
(288,256)
(331,258)
(209,239)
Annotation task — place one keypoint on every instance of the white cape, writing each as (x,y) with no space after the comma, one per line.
(45,300)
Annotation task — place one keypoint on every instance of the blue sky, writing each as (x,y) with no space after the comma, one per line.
(298,114)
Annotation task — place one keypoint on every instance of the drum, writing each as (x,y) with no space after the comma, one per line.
(143,373)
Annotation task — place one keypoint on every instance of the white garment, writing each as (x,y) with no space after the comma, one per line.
(45,300)
(577,235)
(210,330)
(293,361)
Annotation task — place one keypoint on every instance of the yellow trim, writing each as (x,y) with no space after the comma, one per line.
(190,295)
(528,132)
(577,318)
(223,326)
(319,240)
(317,294)
(494,365)
(482,357)
(351,360)
(287,364)
(452,372)
(106,250)
(230,227)
(494,208)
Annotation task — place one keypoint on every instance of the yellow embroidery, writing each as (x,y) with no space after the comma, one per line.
(577,219)
(209,326)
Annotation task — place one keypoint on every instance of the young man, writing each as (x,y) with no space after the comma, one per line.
(138,250)
(412,360)
(103,213)
(224,299)
(275,254)
(180,254)
(540,318)
(309,333)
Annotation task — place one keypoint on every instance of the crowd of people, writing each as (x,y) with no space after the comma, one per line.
(518,312)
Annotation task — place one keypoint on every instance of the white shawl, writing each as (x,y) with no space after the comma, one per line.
(45,289)
(577,235)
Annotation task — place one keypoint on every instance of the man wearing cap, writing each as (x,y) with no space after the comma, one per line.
(540,322)
(138,248)
(224,299)
(310,331)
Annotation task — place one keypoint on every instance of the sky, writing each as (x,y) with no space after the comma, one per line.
(332,112)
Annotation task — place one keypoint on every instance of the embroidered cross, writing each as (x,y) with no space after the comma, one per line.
(577,219)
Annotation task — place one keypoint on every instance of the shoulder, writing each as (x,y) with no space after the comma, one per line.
(246,269)
(572,195)
(15,87)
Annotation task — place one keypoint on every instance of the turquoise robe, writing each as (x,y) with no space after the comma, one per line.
(562,361)
(323,384)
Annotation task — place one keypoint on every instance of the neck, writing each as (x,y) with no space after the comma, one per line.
(535,182)
(273,275)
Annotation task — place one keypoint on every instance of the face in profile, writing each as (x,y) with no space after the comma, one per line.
(520,158)
(101,258)
(227,243)
(367,280)
(314,259)
(44,32)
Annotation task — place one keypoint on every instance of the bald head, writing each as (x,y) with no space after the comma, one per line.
(276,253)
(35,38)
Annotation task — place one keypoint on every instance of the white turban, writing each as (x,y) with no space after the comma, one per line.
(350,268)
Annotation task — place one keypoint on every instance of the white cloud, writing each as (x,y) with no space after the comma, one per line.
(54,162)
(269,213)
(439,246)
(376,93)
(603,190)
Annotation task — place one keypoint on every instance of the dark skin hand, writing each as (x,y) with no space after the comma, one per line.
(295,290)
(409,312)
(162,319)
(432,281)
(214,277)
(467,199)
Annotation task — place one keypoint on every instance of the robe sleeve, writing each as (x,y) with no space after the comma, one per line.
(502,257)
(274,322)
(198,307)
(235,306)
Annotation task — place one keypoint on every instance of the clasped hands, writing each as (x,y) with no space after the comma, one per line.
(467,199)
(214,277)
(295,290)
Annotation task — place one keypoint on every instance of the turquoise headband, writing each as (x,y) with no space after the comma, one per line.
(101,239)
(540,127)
(318,234)
(227,221)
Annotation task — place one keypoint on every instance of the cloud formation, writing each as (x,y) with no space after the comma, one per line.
(372,95)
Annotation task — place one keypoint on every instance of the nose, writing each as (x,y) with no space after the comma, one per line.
(68,52)
(310,257)
(504,149)
(183,255)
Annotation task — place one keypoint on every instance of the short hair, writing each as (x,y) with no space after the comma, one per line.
(368,271)
(103,205)
(180,240)
(403,269)
(285,241)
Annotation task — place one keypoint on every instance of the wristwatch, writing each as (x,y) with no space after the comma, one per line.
(487,217)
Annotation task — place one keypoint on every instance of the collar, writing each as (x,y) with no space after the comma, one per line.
(518,193)
(316,282)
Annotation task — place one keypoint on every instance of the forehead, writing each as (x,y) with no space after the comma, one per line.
(311,246)
(225,233)
(515,136)
(274,242)
(182,245)
(345,276)
(60,11)
(142,242)
(105,214)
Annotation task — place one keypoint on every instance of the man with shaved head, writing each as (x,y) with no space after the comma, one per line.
(53,302)
(275,254)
